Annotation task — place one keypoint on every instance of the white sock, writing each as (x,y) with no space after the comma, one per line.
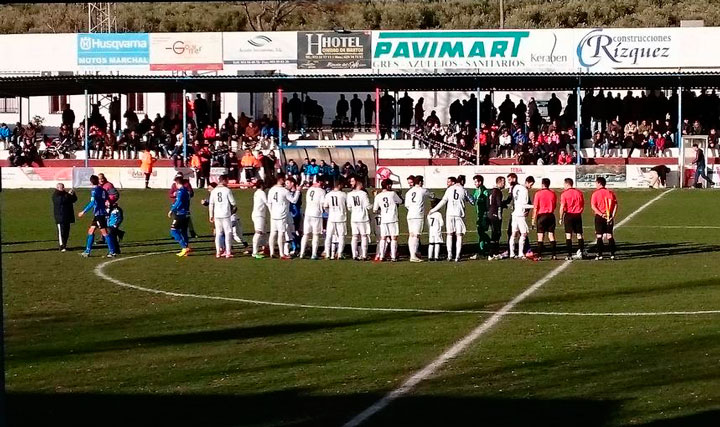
(437,250)
(256,243)
(449,245)
(303,244)
(315,244)
(381,249)
(393,249)
(413,246)
(271,241)
(340,241)
(512,245)
(286,246)
(328,245)
(364,246)
(353,246)
(458,246)
(521,246)
(218,242)
(228,242)
(281,244)
(431,249)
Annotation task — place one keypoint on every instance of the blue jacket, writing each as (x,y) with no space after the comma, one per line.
(116,217)
(98,196)
(312,170)
(4,132)
(181,207)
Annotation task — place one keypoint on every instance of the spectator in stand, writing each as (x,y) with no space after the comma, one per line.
(115,114)
(205,158)
(292,170)
(420,112)
(599,144)
(506,148)
(574,156)
(506,111)
(356,106)
(249,165)
(252,135)
(295,109)
(362,172)
(5,135)
(369,107)
(651,148)
(405,105)
(554,107)
(347,171)
(713,143)
(333,172)
(323,171)
(232,166)
(564,158)
(342,106)
(313,172)
(210,134)
(68,117)
(146,165)
(131,120)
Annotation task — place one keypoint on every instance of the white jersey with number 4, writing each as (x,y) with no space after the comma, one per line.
(336,205)
(221,202)
(415,202)
(314,202)
(359,203)
(387,203)
(279,199)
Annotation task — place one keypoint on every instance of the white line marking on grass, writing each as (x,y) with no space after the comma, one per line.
(465,342)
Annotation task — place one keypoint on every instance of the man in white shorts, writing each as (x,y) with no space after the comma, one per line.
(415,204)
(221,206)
(521,208)
(387,203)
(312,223)
(278,201)
(455,197)
(259,218)
(435,225)
(358,203)
(336,205)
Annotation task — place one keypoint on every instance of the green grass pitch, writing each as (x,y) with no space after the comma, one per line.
(81,350)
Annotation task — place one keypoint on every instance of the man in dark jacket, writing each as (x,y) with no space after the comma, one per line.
(64,213)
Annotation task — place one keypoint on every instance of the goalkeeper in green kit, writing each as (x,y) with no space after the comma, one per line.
(481,198)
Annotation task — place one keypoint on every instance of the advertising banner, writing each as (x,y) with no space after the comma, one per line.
(260,50)
(436,176)
(128,177)
(645,176)
(35,177)
(615,175)
(628,49)
(38,54)
(485,51)
(186,51)
(333,50)
(108,49)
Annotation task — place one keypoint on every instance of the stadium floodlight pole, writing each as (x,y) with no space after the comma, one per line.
(185,135)
(377,118)
(502,15)
(477,126)
(681,148)
(280,115)
(578,118)
(87,129)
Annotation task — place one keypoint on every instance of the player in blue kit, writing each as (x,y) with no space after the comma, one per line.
(180,213)
(98,199)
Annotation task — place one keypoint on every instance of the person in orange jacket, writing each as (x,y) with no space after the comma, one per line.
(146,165)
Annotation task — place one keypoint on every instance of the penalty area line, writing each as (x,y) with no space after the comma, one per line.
(457,348)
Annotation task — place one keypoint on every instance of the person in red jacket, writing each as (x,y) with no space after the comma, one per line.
(564,158)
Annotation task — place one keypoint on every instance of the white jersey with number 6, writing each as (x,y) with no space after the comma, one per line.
(221,202)
(387,203)
(336,204)
(455,198)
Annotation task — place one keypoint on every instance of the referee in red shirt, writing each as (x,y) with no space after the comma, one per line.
(604,204)
(544,204)
(572,203)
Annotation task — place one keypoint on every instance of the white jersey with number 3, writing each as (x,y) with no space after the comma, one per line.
(387,203)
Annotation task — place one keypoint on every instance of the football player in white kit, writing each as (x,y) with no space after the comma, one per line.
(336,205)
(221,207)
(435,225)
(278,201)
(387,204)
(259,214)
(312,223)
(358,203)
(521,207)
(415,204)
(455,198)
